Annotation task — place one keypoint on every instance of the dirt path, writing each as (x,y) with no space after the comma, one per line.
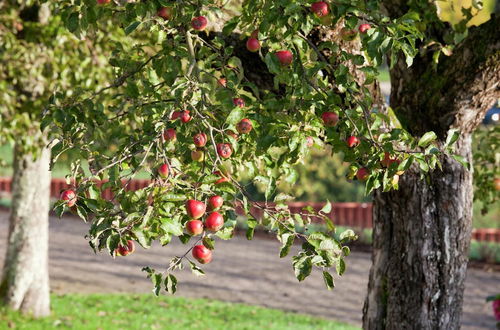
(242,271)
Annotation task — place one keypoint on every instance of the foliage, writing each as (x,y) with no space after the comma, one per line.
(174,69)
(487,167)
(37,57)
(323,175)
(456,11)
(112,311)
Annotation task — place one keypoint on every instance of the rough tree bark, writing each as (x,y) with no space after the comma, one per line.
(422,231)
(25,279)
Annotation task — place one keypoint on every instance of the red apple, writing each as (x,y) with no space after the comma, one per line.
(200,139)
(388,160)
(214,202)
(497,184)
(185,116)
(176,115)
(69,197)
(285,57)
(103,2)
(195,209)
(224,150)
(364,27)
(222,82)
(352,141)
(239,102)
(165,12)
(309,141)
(244,126)
(197,155)
(320,8)
(363,174)
(253,44)
(169,134)
(214,222)
(232,134)
(194,227)
(199,23)
(123,251)
(163,170)
(330,119)
(222,178)
(202,254)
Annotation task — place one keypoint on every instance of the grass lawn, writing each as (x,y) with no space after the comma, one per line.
(121,311)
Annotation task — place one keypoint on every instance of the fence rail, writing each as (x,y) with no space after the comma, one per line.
(358,215)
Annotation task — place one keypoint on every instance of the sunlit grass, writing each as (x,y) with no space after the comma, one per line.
(124,311)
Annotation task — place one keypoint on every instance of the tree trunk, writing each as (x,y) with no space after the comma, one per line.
(25,279)
(422,231)
(420,247)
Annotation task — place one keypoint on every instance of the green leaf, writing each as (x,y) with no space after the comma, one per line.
(225,233)
(327,208)
(73,22)
(453,135)
(170,283)
(249,233)
(426,139)
(112,242)
(302,266)
(282,197)
(59,209)
(172,226)
(462,160)
(251,223)
(129,29)
(173,197)
(196,270)
(209,242)
(236,115)
(230,25)
(144,241)
(287,241)
(340,266)
(423,165)
(348,235)
(155,279)
(328,278)
(406,163)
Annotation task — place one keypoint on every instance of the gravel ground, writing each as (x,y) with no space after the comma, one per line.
(242,271)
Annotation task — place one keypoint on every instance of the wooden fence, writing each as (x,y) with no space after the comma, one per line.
(356,215)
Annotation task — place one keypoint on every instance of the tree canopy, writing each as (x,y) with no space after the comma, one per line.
(246,95)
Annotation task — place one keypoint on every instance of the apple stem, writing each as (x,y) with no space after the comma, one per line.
(179,259)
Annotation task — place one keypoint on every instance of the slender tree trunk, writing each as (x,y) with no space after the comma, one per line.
(25,278)
(421,242)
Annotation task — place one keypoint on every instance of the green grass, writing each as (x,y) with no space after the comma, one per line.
(121,311)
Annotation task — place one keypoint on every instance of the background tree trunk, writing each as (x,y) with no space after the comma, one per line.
(25,278)
(420,247)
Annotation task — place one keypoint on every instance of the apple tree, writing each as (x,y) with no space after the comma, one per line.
(214,89)
(37,56)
